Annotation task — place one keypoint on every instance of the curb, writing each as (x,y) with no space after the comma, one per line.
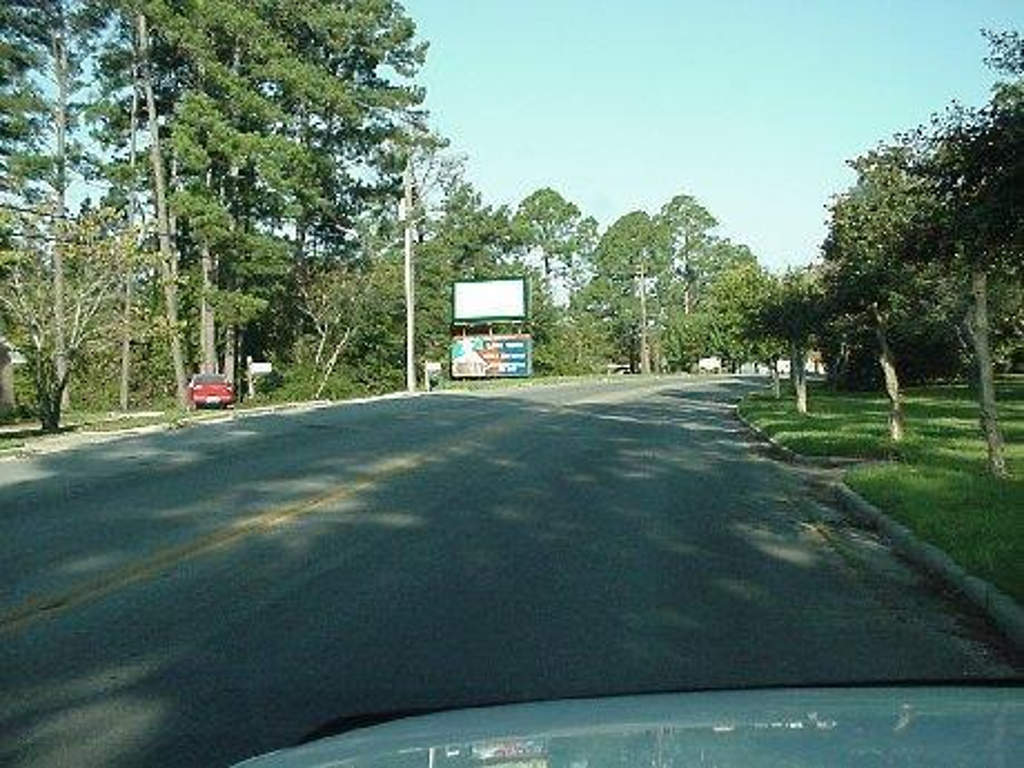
(1004,612)
(788,454)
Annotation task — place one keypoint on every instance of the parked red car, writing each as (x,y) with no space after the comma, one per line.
(211,390)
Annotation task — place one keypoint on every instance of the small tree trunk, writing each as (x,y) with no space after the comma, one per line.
(7,401)
(207,319)
(126,343)
(886,359)
(168,255)
(129,276)
(230,352)
(48,393)
(776,386)
(986,376)
(798,375)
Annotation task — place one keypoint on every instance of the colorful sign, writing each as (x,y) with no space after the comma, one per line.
(481,301)
(488,357)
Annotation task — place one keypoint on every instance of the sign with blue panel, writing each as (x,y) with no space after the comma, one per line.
(491,357)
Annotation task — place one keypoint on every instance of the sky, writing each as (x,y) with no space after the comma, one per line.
(753,107)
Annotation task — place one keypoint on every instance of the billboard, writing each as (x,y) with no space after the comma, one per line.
(491,357)
(478,301)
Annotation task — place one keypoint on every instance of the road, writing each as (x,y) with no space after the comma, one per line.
(199,596)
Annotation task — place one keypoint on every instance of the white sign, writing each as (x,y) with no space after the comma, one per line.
(489,300)
(260,369)
(711,364)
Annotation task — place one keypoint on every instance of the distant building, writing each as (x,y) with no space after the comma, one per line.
(711,364)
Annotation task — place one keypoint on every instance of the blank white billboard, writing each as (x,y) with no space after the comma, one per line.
(478,300)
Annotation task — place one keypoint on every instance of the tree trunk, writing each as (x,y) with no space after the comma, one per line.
(230,351)
(7,401)
(798,375)
(776,388)
(61,73)
(129,276)
(126,341)
(207,319)
(49,391)
(168,255)
(897,421)
(986,377)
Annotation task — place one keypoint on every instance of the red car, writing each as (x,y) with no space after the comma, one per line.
(211,389)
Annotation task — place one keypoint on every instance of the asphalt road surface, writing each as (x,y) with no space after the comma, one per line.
(200,596)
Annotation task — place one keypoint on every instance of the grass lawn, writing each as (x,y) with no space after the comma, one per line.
(936,484)
(10,443)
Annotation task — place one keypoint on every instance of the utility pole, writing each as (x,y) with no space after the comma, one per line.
(645,353)
(410,307)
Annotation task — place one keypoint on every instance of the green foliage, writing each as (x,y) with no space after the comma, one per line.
(47,326)
(555,228)
(794,310)
(874,282)
(285,129)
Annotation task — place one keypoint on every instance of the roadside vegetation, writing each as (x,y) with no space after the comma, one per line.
(201,185)
(935,481)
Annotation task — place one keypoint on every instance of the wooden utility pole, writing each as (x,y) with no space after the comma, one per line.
(410,297)
(645,352)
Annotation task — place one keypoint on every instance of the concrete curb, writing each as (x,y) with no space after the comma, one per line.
(1004,612)
(788,454)
(1001,609)
(63,442)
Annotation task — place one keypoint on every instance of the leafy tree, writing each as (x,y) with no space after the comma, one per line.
(868,278)
(557,231)
(971,217)
(687,227)
(734,303)
(46,44)
(96,249)
(631,265)
(794,313)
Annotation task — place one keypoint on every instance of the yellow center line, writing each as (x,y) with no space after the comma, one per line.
(164,559)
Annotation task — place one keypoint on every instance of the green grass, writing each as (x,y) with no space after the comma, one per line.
(936,483)
(10,444)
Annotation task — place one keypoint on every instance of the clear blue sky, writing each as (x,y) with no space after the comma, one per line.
(752,106)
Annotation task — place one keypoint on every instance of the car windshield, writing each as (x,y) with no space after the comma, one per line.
(209,378)
(361,357)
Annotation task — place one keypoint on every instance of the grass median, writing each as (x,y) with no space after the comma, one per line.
(935,482)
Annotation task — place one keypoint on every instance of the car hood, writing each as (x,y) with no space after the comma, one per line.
(926,726)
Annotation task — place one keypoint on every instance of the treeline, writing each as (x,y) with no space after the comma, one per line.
(924,262)
(186,185)
(922,271)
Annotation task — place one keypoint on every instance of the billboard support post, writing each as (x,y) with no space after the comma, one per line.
(410,311)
